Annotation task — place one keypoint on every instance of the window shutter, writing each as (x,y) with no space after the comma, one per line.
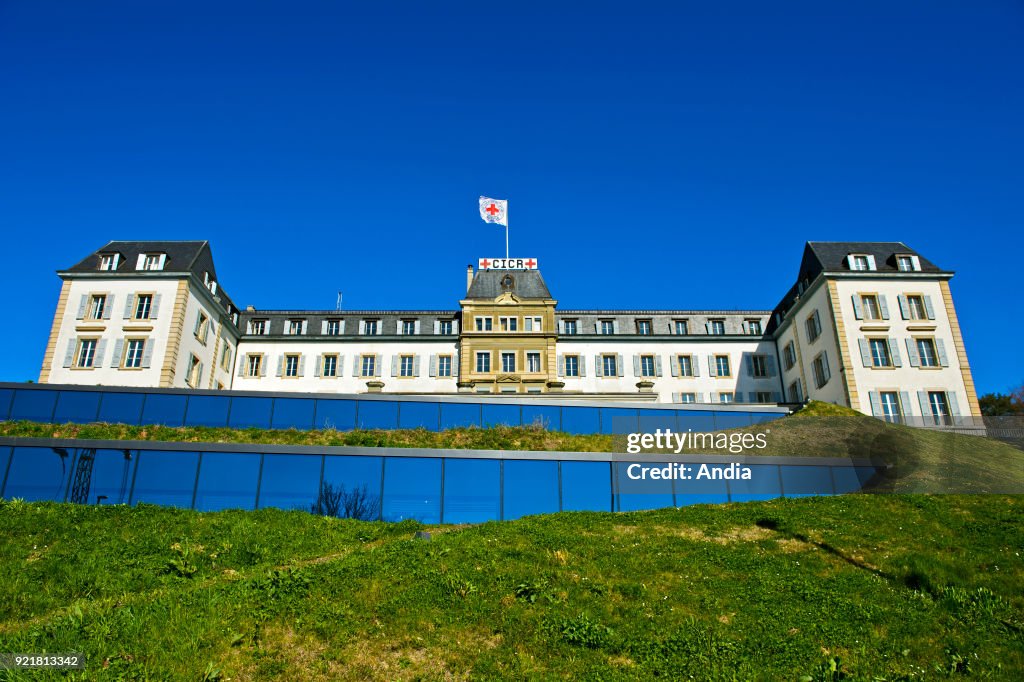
(940,350)
(912,356)
(825,365)
(598,366)
(242,360)
(618,365)
(858,311)
(115,360)
(561,365)
(871,263)
(928,309)
(355,365)
(280,365)
(455,365)
(432,367)
(714,396)
(894,351)
(922,399)
(748,362)
(883,304)
(916,261)
(140,261)
(147,353)
(817,322)
(199,375)
(712,370)
(416,327)
(154,309)
(695,365)
(380,327)
(776,397)
(674,365)
(561,327)
(69,355)
(323,327)
(128,306)
(677,398)
(455,326)
(865,352)
(362,327)
(377,363)
(904,307)
(394,365)
(615,326)
(707,327)
(302,365)
(751,396)
(876,404)
(199,317)
(597,327)
(636,365)
(954,405)
(101,347)
(263,365)
(770,365)
(437,330)
(416,365)
(160,264)
(905,403)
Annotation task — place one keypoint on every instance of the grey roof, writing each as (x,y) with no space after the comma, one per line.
(525,284)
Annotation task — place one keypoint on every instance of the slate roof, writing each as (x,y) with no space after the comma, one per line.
(525,284)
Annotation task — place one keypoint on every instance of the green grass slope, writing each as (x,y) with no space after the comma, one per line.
(859,587)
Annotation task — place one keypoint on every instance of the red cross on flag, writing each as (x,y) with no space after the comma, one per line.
(494,210)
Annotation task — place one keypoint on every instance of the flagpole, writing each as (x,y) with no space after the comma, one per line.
(506,231)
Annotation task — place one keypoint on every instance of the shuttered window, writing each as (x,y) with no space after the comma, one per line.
(572,365)
(444,365)
(133,353)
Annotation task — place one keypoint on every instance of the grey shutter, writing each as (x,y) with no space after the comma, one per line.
(394,365)
(380,327)
(817,323)
(922,399)
(416,365)
(280,365)
(455,326)
(714,396)
(928,309)
(561,327)
(323,327)
(954,405)
(242,360)
(437,330)
(199,318)
(416,328)
(318,368)
(432,368)
(884,306)
(199,375)
(155,307)
(905,403)
(894,351)
(776,397)
(749,364)
(108,306)
(598,366)
(378,358)
(263,365)
(751,396)
(904,307)
(677,398)
(561,365)
(101,347)
(940,350)
(871,262)
(618,365)
(362,327)
(597,327)
(707,327)
(455,365)
(657,365)
(355,365)
(912,356)
(695,365)
(115,360)
(583,365)
(858,311)
(636,365)
(305,325)
(69,355)
(712,370)
(128,306)
(147,353)
(876,404)
(674,366)
(82,305)
(769,361)
(615,327)
(825,366)
(865,352)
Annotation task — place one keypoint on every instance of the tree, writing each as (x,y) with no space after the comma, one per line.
(1002,404)
(357,503)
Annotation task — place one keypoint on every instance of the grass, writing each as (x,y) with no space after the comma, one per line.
(866,587)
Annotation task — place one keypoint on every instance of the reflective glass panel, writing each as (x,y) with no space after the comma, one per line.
(763,417)
(250,412)
(698,421)
(698,489)
(531,487)
(639,491)
(207,410)
(39,474)
(731,420)
(80,407)
(227,481)
(852,479)
(121,408)
(505,415)
(415,415)
(293,413)
(5,459)
(456,415)
(548,417)
(339,415)
(581,420)
(33,405)
(378,414)
(800,481)
(351,487)
(290,481)
(165,477)
(107,476)
(6,395)
(412,489)
(471,490)
(586,486)
(613,418)
(763,484)
(161,408)
(652,420)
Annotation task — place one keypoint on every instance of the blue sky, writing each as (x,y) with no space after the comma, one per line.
(664,155)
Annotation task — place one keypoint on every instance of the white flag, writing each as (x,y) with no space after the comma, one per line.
(494,210)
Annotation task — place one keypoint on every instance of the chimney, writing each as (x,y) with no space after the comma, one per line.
(469,277)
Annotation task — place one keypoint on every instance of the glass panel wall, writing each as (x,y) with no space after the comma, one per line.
(548,417)
(415,415)
(293,413)
(37,474)
(700,491)
(80,407)
(161,408)
(698,421)
(351,487)
(33,405)
(121,408)
(530,487)
(250,413)
(801,481)
(457,415)
(613,418)
(412,489)
(472,491)
(6,396)
(378,414)
(339,415)
(642,493)
(207,410)
(110,481)
(165,477)
(227,480)
(502,415)
(290,481)
(581,420)
(731,420)
(763,484)
(586,486)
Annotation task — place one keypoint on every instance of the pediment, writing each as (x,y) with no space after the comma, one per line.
(507,298)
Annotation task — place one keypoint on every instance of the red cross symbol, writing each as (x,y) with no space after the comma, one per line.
(485,263)
(530,263)
(493,210)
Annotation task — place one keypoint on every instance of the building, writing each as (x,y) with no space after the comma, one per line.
(868,325)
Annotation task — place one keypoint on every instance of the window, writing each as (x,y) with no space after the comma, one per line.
(726,397)
(97,306)
(789,356)
(532,324)
(108,261)
(647,365)
(822,372)
(570,327)
(926,353)
(610,365)
(813,324)
(687,397)
(940,407)
(193,374)
(533,362)
(445,327)
(133,353)
(907,263)
(254,365)
(607,326)
(763,397)
(754,327)
(795,394)
(722,366)
(572,365)
(643,327)
(143,306)
(444,365)
(860,263)
(258,327)
(368,366)
(291,365)
(86,353)
(716,327)
(508,362)
(682,326)
(202,327)
(916,307)
(152,261)
(483,362)
(370,327)
(408,327)
(758,365)
(880,353)
(295,327)
(225,358)
(872,311)
(508,324)
(484,324)
(333,327)
(330,366)
(685,364)
(406,366)
(891,411)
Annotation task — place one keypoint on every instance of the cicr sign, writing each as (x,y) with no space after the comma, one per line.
(507,264)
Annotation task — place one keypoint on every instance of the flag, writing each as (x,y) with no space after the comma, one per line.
(494,210)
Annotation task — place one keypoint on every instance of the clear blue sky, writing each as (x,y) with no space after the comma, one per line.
(670,155)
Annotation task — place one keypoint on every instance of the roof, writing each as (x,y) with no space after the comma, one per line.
(487,284)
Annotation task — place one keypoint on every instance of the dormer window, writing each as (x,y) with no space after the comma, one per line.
(860,262)
(258,327)
(109,261)
(151,261)
(908,263)
(295,327)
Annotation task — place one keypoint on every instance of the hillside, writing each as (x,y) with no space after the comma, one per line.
(867,586)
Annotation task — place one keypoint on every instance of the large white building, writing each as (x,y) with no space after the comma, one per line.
(868,325)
